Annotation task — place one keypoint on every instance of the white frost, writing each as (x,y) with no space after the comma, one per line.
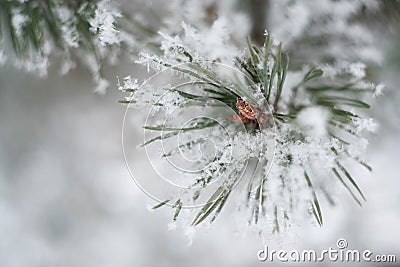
(103,23)
(314,120)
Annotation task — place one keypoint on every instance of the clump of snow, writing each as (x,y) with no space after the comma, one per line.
(354,69)
(378,90)
(314,121)
(364,125)
(172,226)
(358,148)
(70,33)
(357,70)
(18,21)
(101,86)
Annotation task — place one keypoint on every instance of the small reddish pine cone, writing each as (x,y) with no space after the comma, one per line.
(246,110)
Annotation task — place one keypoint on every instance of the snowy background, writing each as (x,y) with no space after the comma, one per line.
(66,197)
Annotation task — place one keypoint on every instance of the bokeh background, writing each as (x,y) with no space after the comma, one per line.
(66,197)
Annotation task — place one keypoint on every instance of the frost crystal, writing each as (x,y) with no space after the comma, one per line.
(103,23)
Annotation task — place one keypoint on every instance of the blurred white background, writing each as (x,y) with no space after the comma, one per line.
(66,197)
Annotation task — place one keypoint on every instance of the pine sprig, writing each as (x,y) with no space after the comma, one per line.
(267,68)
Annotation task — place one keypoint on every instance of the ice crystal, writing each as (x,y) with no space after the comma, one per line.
(297,144)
